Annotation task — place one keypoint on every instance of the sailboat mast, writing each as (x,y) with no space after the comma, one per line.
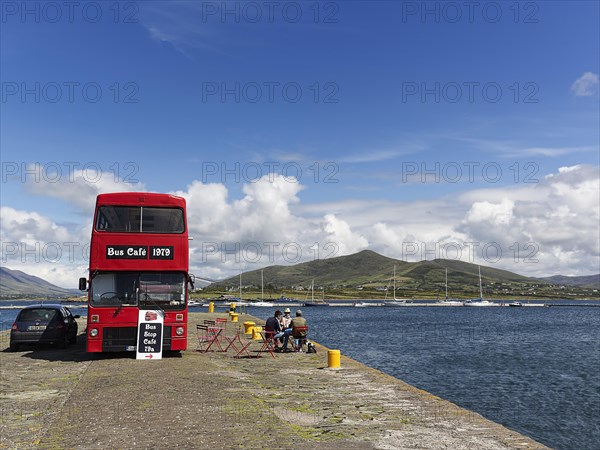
(446,283)
(262,288)
(394,282)
(240,285)
(480,288)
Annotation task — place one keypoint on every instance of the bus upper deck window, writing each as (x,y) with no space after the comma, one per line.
(138,219)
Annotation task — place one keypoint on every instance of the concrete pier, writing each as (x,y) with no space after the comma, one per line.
(51,398)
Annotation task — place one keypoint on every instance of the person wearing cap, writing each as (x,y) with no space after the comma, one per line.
(286,319)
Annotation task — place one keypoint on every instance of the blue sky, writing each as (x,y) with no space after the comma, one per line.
(351,101)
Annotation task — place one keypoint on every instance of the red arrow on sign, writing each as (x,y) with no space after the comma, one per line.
(149,356)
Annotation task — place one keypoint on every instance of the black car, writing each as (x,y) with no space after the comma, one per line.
(48,324)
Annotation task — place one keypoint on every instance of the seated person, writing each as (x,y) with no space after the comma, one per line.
(273,325)
(286,319)
(297,321)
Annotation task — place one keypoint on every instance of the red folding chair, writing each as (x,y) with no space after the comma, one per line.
(244,350)
(218,323)
(299,338)
(231,341)
(268,343)
(207,337)
(221,322)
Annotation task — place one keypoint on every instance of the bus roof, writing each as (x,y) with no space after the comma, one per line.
(140,198)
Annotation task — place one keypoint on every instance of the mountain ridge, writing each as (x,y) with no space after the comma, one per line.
(18,283)
(369,267)
(366,268)
(592,281)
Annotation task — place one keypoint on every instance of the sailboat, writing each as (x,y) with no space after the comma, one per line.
(395,301)
(261,302)
(238,302)
(314,302)
(450,301)
(479,301)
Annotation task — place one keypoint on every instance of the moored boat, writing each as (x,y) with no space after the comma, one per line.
(396,301)
(314,302)
(447,300)
(367,304)
(262,304)
(479,301)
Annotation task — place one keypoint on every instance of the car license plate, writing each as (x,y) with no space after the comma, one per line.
(130,348)
(36,327)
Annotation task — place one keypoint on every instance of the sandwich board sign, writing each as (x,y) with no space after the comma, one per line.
(149,336)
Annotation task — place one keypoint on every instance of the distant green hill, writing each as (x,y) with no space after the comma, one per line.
(590,281)
(369,275)
(16,283)
(368,268)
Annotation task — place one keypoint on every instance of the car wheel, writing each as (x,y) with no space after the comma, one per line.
(63,342)
(14,347)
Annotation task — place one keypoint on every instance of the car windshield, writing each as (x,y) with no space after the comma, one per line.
(144,289)
(38,314)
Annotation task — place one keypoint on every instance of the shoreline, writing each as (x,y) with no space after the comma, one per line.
(62,399)
(327,300)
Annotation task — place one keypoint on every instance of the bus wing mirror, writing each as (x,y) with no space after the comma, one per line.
(191,279)
(82,284)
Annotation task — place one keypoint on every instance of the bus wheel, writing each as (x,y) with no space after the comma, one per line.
(14,347)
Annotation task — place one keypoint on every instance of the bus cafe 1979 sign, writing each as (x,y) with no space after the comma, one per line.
(150,330)
(139,252)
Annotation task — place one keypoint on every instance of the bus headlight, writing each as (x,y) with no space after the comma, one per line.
(94,332)
(179,331)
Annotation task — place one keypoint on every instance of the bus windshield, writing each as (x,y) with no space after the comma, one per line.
(144,289)
(139,219)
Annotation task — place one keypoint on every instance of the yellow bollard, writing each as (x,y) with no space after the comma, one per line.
(256,333)
(248,327)
(211,307)
(234,317)
(333,359)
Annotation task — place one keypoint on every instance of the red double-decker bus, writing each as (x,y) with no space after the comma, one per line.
(139,260)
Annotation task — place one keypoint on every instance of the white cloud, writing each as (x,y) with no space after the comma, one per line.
(552,151)
(586,85)
(183,24)
(554,224)
(338,231)
(38,246)
(372,156)
(260,228)
(79,187)
(512,149)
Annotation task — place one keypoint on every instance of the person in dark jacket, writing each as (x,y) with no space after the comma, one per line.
(273,325)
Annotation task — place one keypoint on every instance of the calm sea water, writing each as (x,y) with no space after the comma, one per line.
(534,370)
